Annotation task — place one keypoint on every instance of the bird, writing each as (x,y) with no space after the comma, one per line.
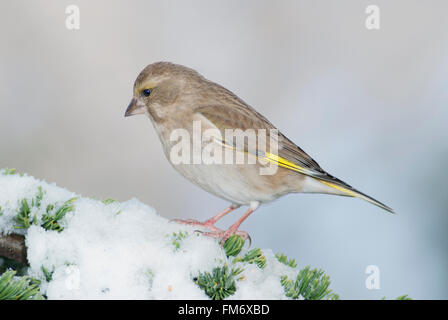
(178,99)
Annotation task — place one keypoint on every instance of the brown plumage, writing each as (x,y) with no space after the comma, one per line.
(175,97)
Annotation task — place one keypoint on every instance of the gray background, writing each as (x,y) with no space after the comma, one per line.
(369,106)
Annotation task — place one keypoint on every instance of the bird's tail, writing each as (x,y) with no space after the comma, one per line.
(327,179)
(347,190)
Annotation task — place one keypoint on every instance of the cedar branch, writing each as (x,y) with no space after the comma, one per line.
(13,247)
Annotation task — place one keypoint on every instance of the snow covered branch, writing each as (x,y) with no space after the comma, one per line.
(82,248)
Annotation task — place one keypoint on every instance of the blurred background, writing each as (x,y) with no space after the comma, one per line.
(369,105)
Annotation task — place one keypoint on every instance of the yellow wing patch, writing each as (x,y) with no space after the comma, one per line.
(282,162)
(295,167)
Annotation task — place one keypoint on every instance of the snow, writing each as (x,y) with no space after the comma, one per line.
(123,250)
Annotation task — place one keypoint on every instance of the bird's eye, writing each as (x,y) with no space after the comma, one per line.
(146,92)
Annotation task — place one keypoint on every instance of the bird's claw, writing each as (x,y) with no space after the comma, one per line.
(215,232)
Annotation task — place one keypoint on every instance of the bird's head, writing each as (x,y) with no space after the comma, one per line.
(158,87)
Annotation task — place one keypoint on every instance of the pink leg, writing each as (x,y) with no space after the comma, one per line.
(210,223)
(224,235)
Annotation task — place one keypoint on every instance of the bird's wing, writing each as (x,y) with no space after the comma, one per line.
(239,115)
(289,155)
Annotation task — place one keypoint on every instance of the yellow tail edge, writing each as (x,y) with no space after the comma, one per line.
(357,194)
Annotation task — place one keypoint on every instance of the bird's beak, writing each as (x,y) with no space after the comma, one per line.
(134,108)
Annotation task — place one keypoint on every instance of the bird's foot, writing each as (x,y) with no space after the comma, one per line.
(191,222)
(224,235)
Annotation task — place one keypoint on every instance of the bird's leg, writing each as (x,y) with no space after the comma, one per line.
(215,219)
(210,223)
(224,235)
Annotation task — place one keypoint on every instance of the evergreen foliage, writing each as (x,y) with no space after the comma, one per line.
(50,219)
(253,256)
(233,245)
(284,259)
(48,274)
(309,285)
(18,288)
(218,284)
